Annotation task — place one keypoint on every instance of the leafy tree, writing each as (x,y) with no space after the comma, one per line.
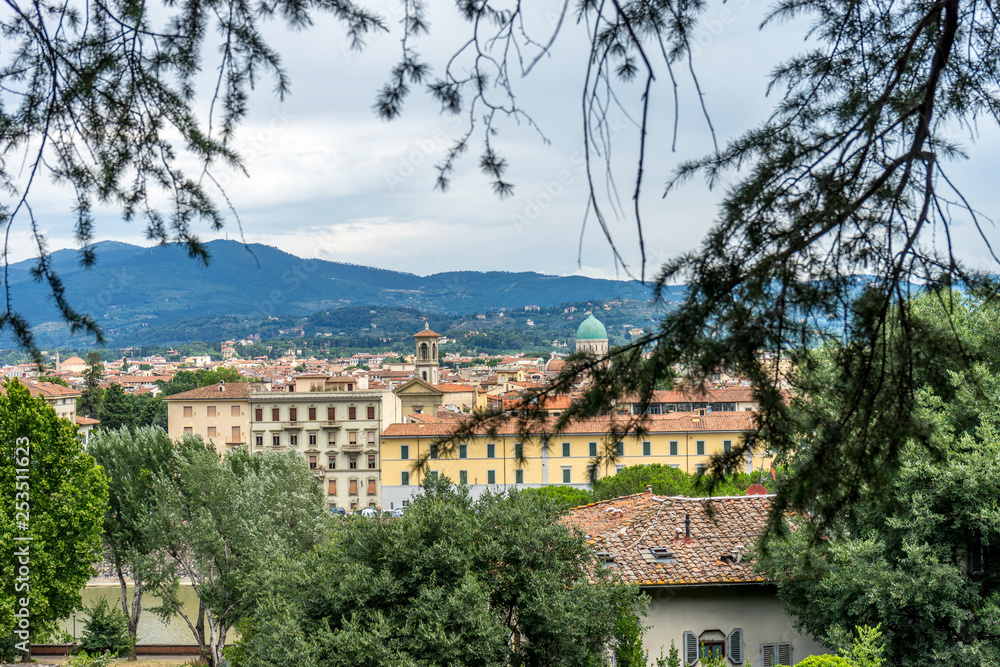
(145,367)
(562,497)
(217,522)
(116,409)
(187,380)
(107,630)
(54,379)
(65,495)
(494,581)
(89,403)
(132,461)
(915,561)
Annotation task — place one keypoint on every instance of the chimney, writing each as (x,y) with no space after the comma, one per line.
(687,526)
(649,489)
(222,386)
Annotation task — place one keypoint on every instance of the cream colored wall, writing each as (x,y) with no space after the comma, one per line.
(64,406)
(199,422)
(332,438)
(754,608)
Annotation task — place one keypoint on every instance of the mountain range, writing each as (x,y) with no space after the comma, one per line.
(132,289)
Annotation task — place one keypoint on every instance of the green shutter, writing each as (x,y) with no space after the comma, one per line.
(565,449)
(405,478)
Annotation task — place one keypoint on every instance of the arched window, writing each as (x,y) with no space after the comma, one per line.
(425,376)
(423,351)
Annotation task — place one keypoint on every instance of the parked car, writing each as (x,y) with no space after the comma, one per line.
(338,511)
(369,513)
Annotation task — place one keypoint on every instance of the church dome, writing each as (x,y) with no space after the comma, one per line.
(591,329)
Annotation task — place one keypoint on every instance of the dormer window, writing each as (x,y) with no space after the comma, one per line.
(606,558)
(663,555)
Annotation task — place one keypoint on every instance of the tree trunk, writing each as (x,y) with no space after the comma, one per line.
(133,619)
(200,629)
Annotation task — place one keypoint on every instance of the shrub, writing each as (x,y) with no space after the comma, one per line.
(107,630)
(84,659)
(824,661)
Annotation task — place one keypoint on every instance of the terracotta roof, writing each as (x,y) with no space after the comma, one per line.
(548,403)
(86,421)
(426,333)
(627,529)
(50,389)
(455,388)
(230,391)
(675,422)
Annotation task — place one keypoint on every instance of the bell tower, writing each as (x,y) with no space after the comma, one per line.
(427,355)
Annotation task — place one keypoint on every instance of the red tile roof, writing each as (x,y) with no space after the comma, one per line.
(628,528)
(230,391)
(675,422)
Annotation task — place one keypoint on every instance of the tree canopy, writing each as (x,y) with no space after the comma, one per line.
(53,493)
(919,559)
(494,581)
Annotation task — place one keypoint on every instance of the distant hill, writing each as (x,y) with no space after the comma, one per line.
(133,289)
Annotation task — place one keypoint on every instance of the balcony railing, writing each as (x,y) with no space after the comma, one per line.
(330,424)
(353,447)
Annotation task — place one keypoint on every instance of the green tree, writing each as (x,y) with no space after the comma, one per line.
(89,403)
(106,630)
(494,581)
(116,409)
(52,492)
(132,461)
(915,560)
(563,497)
(54,379)
(217,522)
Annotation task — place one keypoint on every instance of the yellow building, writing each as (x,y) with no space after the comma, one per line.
(682,440)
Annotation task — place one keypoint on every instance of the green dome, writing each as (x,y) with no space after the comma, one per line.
(591,329)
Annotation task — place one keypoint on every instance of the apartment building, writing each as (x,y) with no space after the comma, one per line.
(505,459)
(218,413)
(338,433)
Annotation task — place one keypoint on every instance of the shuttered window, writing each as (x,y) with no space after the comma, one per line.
(353,487)
(371,486)
(371,412)
(690,647)
(331,414)
(258,414)
(779,653)
(312,414)
(734,646)
(333,487)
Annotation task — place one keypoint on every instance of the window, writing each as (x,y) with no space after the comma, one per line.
(353,487)
(371,462)
(293,414)
(188,429)
(276,440)
(711,650)
(404,478)
(647,448)
(352,461)
(312,414)
(331,462)
(491,451)
(371,437)
(211,432)
(463,450)
(352,437)
(699,447)
(618,469)
(331,439)
(620,448)
(210,411)
(235,435)
(234,411)
(727,446)
(463,476)
(434,451)
(404,452)
(700,468)
(518,450)
(258,414)
(371,486)
(188,411)
(293,439)
(275,414)
(593,448)
(491,476)
(331,413)
(567,475)
(371,412)
(352,412)
(259,439)
(566,449)
(312,462)
(432,474)
(519,476)
(673,448)
(778,653)
(332,487)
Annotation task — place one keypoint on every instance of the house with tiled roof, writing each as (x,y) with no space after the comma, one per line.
(691,556)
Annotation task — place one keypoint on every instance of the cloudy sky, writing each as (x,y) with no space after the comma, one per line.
(328,179)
